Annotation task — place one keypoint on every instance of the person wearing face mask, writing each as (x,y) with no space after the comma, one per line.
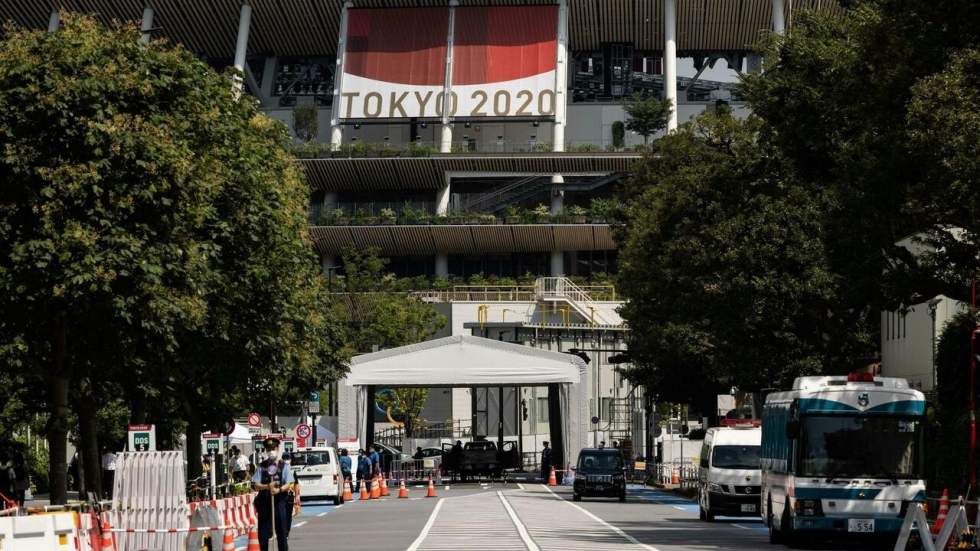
(271,480)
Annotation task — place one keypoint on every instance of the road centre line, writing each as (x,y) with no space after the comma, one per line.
(298,524)
(521,529)
(428,526)
(616,529)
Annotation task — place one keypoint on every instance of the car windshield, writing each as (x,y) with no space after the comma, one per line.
(735,457)
(600,462)
(485,446)
(874,447)
(311,458)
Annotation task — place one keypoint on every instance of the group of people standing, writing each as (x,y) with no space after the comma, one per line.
(14,478)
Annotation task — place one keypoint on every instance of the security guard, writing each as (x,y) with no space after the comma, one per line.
(272,478)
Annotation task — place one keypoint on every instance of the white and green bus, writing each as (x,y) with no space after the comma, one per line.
(841,455)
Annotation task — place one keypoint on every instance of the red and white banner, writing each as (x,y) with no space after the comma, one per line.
(503,63)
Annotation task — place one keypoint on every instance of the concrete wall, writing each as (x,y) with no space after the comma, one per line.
(908,340)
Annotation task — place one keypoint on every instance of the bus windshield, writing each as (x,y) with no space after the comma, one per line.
(854,446)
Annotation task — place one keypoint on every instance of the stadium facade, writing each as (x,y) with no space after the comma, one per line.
(468,138)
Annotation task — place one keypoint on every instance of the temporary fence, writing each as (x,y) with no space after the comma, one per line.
(149,493)
(683,475)
(956,529)
(415,470)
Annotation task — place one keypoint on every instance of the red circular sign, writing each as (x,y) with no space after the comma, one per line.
(303,431)
(254,420)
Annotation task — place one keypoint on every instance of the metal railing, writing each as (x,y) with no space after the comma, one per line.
(683,475)
(502,293)
(562,288)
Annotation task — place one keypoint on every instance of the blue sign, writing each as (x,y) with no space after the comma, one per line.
(314,396)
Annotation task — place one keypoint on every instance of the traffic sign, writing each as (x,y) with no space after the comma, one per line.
(301,442)
(314,396)
(142,438)
(303,430)
(254,419)
(212,443)
(229,427)
(314,407)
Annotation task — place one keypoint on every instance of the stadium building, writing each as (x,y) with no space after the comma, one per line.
(474,138)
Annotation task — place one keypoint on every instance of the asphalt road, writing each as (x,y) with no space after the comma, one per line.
(524,517)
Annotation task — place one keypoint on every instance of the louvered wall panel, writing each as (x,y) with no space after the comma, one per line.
(332,240)
(493,239)
(374,236)
(310,27)
(533,238)
(602,234)
(413,240)
(574,238)
(452,239)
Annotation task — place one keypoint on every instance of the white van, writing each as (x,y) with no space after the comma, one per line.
(317,470)
(730,478)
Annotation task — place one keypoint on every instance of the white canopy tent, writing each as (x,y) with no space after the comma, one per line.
(467,361)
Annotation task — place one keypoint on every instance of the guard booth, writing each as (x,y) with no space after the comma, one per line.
(464,361)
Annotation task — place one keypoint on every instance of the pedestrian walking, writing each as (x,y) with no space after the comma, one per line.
(545,462)
(108,471)
(363,468)
(21,480)
(345,465)
(456,459)
(239,465)
(375,461)
(271,477)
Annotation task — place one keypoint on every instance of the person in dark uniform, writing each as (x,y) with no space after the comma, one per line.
(271,480)
(545,462)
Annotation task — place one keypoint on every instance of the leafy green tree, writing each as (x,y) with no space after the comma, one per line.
(647,115)
(949,436)
(374,313)
(722,265)
(152,228)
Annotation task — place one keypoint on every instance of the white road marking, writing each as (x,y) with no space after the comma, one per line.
(520,486)
(679,508)
(521,529)
(298,524)
(742,527)
(425,529)
(630,538)
(323,514)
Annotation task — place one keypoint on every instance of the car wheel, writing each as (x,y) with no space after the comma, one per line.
(775,537)
(701,514)
(336,500)
(576,497)
(709,516)
(341,498)
(622,497)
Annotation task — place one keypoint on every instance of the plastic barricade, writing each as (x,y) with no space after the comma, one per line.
(55,532)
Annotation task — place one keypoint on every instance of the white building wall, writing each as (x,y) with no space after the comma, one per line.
(908,340)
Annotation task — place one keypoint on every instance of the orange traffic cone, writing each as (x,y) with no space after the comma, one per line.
(375,488)
(384,487)
(432,488)
(107,544)
(253,539)
(402,490)
(348,495)
(364,490)
(675,476)
(943,510)
(552,479)
(229,542)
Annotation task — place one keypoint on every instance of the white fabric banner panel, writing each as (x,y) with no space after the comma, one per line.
(504,63)
(464,360)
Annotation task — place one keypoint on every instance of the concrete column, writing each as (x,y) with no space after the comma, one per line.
(147,24)
(557,193)
(561,79)
(557,263)
(442,199)
(442,265)
(268,78)
(54,21)
(336,130)
(670,60)
(446,129)
(241,46)
(778,17)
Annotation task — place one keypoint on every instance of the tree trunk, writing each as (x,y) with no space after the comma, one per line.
(193,443)
(89,440)
(138,408)
(57,432)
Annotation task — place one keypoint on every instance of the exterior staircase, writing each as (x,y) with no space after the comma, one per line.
(563,290)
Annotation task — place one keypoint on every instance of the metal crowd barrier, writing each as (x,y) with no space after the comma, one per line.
(683,475)
(417,470)
(955,530)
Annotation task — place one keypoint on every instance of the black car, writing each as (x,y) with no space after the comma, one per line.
(600,473)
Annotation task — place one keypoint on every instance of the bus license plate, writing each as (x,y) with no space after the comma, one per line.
(860,525)
(748,508)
